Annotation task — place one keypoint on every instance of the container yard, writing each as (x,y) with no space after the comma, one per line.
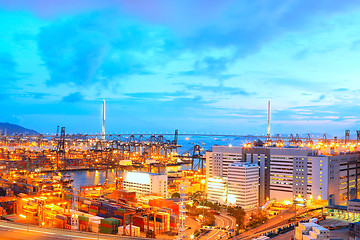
(36,189)
(48,202)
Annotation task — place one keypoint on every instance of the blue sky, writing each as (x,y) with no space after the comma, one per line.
(204,66)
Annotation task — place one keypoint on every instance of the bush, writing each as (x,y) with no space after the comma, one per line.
(175,195)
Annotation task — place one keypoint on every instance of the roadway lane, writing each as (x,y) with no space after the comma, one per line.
(221,221)
(272,223)
(229,221)
(285,236)
(13,231)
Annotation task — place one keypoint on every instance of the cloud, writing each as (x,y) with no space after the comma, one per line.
(73,97)
(300,55)
(355,46)
(8,69)
(210,66)
(341,90)
(220,89)
(117,50)
(156,95)
(99,47)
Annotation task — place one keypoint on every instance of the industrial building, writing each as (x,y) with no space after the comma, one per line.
(318,171)
(310,230)
(297,171)
(146,183)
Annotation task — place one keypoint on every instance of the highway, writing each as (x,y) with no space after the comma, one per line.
(14,231)
(273,223)
(221,221)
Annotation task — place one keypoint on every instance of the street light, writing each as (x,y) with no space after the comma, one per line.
(300,202)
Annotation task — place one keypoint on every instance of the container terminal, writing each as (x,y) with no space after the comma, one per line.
(36,189)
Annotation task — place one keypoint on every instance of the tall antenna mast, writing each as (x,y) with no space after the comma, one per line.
(103,121)
(269,119)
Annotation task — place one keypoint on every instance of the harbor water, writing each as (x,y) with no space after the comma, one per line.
(94,177)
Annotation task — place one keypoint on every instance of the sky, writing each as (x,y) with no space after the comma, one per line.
(197,66)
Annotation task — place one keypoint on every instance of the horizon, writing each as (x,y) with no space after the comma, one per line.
(211,71)
(313,135)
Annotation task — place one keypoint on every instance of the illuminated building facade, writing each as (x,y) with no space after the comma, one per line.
(220,158)
(145,183)
(217,190)
(285,172)
(261,157)
(298,171)
(344,178)
(243,184)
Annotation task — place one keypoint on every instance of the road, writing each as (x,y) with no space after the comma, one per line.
(13,231)
(285,236)
(221,221)
(272,223)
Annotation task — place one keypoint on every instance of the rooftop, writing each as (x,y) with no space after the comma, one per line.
(243,164)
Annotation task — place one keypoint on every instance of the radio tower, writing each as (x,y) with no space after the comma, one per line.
(182,212)
(103,121)
(269,119)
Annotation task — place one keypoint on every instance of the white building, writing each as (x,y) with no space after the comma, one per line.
(287,172)
(218,160)
(243,184)
(217,190)
(295,171)
(145,183)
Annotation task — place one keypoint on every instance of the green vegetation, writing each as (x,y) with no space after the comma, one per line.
(175,195)
(200,206)
(209,219)
(213,206)
(257,218)
(196,233)
(239,214)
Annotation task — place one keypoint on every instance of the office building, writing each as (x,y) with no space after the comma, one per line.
(297,171)
(344,178)
(261,157)
(353,206)
(323,172)
(218,160)
(243,184)
(144,183)
(217,190)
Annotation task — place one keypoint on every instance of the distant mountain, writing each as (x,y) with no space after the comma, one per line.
(11,129)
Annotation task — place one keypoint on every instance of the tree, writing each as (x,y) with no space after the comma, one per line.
(175,195)
(257,218)
(239,214)
(209,219)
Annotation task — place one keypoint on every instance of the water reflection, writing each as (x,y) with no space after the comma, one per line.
(83,178)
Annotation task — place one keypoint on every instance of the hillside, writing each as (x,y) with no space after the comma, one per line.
(11,129)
